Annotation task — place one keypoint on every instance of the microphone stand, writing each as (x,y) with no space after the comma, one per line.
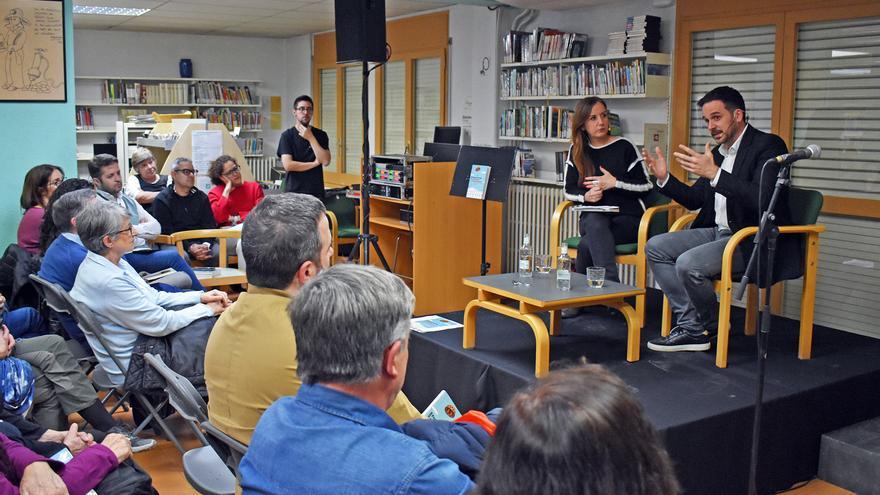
(768,234)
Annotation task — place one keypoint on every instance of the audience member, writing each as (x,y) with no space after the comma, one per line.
(124,305)
(146,182)
(576,431)
(352,334)
(39,184)
(48,230)
(66,253)
(60,387)
(104,170)
(251,358)
(231,197)
(24,471)
(182,206)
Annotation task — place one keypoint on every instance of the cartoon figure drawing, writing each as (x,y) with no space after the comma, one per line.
(37,80)
(12,45)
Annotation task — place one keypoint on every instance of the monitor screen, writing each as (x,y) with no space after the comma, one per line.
(450,135)
(107,148)
(442,152)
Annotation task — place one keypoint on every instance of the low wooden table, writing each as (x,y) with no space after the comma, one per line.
(542,295)
(221,276)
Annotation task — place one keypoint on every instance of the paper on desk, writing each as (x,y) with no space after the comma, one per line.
(434,323)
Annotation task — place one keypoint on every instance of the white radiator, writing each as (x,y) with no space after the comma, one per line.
(262,167)
(530,208)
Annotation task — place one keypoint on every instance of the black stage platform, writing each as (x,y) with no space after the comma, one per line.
(703,413)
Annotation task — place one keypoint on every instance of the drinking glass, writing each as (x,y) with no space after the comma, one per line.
(542,263)
(595,277)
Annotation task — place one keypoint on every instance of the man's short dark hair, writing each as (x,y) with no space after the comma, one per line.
(100,161)
(278,236)
(731,98)
(303,98)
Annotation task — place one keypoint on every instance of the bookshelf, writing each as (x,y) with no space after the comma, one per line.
(104,100)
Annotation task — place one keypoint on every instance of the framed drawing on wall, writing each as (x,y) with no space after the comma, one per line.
(32,54)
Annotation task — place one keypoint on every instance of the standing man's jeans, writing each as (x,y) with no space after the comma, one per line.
(685,265)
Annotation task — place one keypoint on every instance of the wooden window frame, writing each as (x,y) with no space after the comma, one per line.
(695,16)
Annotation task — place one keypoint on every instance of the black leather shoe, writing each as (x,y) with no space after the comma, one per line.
(680,340)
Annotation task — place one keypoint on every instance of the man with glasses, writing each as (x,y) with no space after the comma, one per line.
(182,206)
(303,150)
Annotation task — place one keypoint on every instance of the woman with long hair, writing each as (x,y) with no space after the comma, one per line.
(39,184)
(232,198)
(603,170)
(577,431)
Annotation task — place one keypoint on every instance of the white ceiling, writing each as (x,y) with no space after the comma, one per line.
(260,18)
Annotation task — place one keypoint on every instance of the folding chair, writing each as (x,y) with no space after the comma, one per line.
(229,449)
(202,466)
(60,302)
(87,321)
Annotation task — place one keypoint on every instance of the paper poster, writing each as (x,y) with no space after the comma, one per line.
(206,146)
(32,49)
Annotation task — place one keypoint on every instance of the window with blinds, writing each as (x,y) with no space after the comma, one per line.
(354,124)
(740,58)
(328,107)
(394,102)
(426,97)
(837,107)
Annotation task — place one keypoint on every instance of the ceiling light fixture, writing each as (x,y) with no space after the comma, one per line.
(730,58)
(86,9)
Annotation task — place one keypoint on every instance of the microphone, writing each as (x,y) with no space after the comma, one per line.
(811,151)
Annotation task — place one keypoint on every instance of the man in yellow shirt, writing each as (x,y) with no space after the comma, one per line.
(250,360)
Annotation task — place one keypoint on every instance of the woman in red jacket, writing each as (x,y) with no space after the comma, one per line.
(231,198)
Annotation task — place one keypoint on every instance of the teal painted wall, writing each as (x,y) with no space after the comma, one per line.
(35,133)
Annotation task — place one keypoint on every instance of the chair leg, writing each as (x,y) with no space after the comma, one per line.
(752,304)
(666,319)
(641,283)
(808,297)
(726,294)
(154,415)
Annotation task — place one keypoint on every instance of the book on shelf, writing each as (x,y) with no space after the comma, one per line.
(614,127)
(615,77)
(561,163)
(174,93)
(85,120)
(538,122)
(642,34)
(543,44)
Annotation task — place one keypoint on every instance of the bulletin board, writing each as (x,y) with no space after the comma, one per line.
(32,58)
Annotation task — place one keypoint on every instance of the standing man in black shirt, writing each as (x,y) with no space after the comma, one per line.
(303,150)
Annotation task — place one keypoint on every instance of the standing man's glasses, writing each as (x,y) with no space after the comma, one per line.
(305,109)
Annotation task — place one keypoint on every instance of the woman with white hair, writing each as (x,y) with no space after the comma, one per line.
(146,183)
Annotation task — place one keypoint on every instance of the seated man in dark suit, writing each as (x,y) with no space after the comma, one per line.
(686,263)
(181,206)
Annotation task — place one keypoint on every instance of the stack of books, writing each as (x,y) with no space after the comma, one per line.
(642,34)
(616,44)
(85,120)
(543,44)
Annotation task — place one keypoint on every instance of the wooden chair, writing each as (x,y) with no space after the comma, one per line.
(805,206)
(227,276)
(654,221)
(343,222)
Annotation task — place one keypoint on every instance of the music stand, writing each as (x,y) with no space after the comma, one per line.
(500,161)
(442,152)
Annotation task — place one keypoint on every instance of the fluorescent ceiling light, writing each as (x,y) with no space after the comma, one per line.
(86,9)
(846,53)
(730,58)
(850,72)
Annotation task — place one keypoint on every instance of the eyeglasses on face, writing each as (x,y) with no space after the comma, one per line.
(130,231)
(305,109)
(186,171)
(55,182)
(234,170)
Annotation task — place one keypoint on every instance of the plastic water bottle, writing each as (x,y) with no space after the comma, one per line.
(563,269)
(525,260)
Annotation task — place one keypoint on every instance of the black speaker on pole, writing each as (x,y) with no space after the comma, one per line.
(360,31)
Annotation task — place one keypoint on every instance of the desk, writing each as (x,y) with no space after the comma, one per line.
(220,276)
(542,295)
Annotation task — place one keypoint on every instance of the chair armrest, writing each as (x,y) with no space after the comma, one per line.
(737,239)
(163,239)
(645,222)
(555,222)
(683,222)
(802,229)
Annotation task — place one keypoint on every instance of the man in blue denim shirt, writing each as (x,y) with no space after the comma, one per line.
(334,437)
